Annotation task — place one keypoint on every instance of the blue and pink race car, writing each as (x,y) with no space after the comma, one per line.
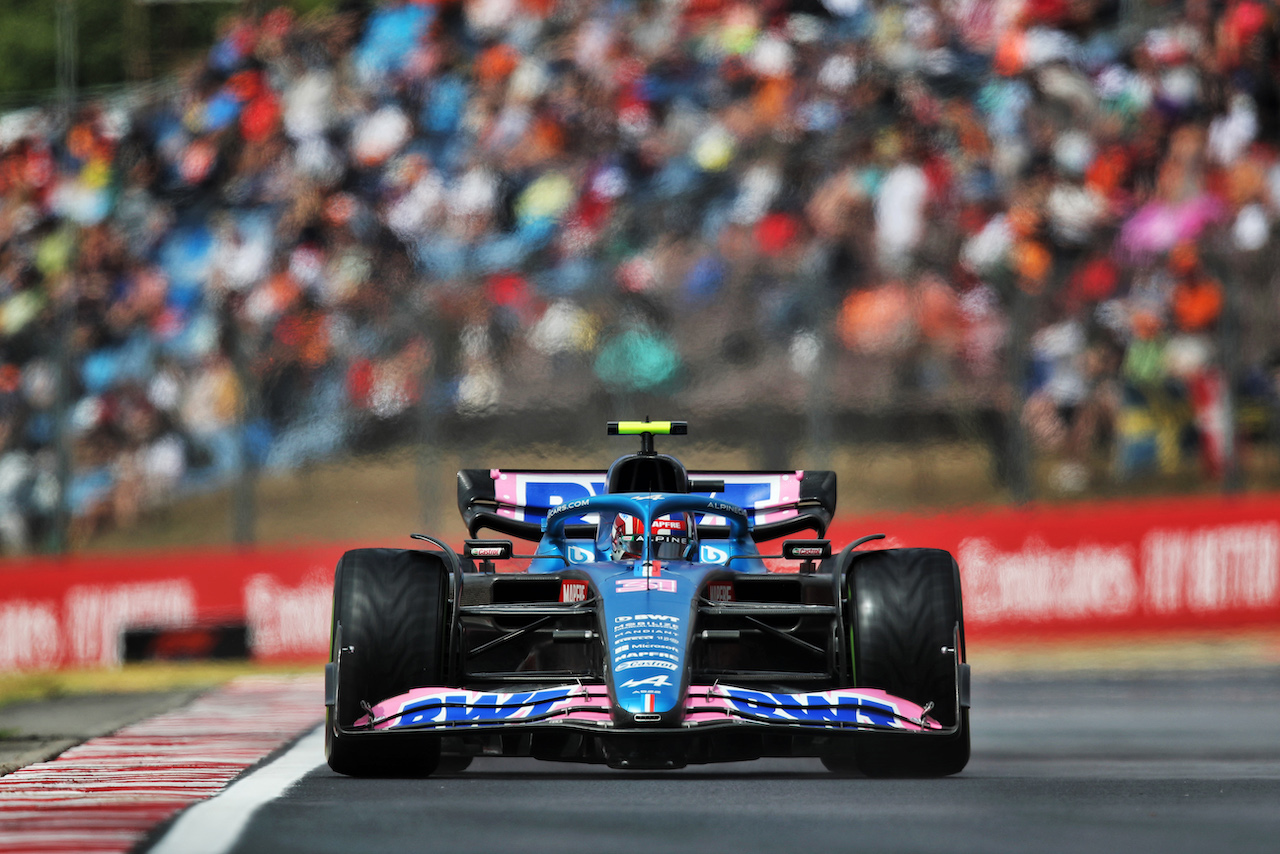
(649,630)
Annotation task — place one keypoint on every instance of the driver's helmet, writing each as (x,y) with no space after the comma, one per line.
(670,537)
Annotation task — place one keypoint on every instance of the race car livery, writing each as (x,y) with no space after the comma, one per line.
(647,630)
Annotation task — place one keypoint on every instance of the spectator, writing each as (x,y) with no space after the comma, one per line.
(474,206)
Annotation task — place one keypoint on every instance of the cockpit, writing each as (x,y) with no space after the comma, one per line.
(670,537)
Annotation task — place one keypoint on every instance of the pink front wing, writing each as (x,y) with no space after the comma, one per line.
(841,708)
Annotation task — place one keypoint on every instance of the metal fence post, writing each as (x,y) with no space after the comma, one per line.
(244,499)
(1017,463)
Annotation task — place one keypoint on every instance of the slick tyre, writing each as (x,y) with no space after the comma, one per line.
(905,605)
(389,617)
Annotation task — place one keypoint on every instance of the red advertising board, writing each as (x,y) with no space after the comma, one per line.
(73,612)
(1156,565)
(1150,565)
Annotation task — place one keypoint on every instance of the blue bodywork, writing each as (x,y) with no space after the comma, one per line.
(647,606)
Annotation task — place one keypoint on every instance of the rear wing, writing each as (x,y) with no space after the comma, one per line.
(516,502)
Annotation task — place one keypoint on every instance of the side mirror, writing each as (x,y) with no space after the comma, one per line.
(807,551)
(487,551)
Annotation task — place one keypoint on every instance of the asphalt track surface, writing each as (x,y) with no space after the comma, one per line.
(1133,764)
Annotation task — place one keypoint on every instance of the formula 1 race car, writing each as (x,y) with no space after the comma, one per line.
(647,631)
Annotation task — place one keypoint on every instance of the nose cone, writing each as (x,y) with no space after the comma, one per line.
(648,623)
(647,653)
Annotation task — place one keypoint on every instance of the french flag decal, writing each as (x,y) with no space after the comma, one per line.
(652,569)
(648,702)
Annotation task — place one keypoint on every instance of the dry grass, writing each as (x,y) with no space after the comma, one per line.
(1129,653)
(1065,657)
(133,678)
(380,498)
(384,497)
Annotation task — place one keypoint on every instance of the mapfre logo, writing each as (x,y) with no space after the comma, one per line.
(720,591)
(572,590)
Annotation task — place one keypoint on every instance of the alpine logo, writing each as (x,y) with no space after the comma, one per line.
(573,590)
(662,680)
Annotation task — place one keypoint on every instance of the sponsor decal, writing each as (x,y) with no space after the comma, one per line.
(711,554)
(807,551)
(466,706)
(828,707)
(1041,582)
(285,619)
(29,635)
(720,591)
(573,590)
(545,490)
(649,650)
(581,554)
(631,665)
(532,491)
(1212,568)
(723,508)
(639,585)
(662,680)
(488,551)
(568,508)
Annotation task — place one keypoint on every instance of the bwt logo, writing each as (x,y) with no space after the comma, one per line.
(801,708)
(467,707)
(564,496)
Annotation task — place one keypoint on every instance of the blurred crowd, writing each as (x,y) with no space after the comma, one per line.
(336,223)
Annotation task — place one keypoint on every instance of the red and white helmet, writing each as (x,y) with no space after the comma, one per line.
(628,538)
(669,538)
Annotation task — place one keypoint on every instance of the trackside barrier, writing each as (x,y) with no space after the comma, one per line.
(1140,566)
(73,612)
(1134,566)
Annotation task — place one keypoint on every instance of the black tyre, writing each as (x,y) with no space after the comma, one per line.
(905,605)
(389,615)
(453,764)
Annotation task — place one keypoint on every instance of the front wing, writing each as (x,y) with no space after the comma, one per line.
(586,707)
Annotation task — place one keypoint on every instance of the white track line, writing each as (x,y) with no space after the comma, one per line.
(214,826)
(106,794)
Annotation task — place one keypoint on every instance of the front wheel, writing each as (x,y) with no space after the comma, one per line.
(906,626)
(389,626)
